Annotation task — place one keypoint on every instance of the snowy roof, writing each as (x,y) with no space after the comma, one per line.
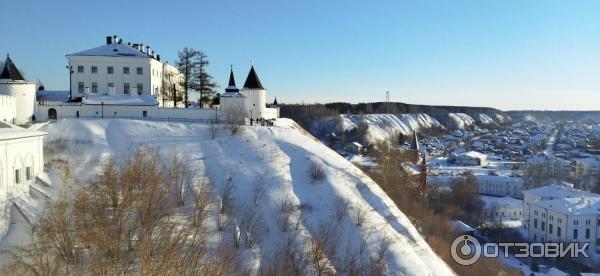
(9,132)
(501,202)
(120,100)
(557,191)
(474,154)
(232,95)
(461,226)
(113,50)
(586,205)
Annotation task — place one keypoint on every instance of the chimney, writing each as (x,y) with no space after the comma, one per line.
(114,40)
(108,40)
(158,57)
(120,40)
(141,47)
(128,43)
(136,46)
(147,50)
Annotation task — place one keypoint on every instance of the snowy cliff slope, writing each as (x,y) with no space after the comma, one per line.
(280,158)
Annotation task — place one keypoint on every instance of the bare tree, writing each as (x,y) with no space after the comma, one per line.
(234,116)
(360,214)
(179,177)
(317,172)
(341,208)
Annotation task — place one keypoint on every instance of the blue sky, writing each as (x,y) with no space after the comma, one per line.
(504,54)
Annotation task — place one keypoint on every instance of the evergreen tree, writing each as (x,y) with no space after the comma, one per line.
(188,64)
(206,85)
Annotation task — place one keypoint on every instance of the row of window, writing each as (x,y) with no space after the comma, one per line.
(28,174)
(109,70)
(559,230)
(126,87)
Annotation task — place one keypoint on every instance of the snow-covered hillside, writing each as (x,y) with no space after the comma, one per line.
(460,120)
(384,126)
(279,157)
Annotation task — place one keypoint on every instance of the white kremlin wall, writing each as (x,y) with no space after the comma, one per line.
(8,108)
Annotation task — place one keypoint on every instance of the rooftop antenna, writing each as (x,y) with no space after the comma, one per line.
(387,102)
(252,62)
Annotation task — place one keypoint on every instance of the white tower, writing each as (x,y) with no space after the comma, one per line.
(256,95)
(13,84)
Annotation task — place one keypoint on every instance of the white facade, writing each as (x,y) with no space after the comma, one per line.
(21,160)
(471,158)
(500,185)
(8,108)
(567,220)
(120,69)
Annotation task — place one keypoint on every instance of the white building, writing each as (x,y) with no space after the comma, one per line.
(21,160)
(17,95)
(500,185)
(587,171)
(507,211)
(471,158)
(119,69)
(575,219)
(551,166)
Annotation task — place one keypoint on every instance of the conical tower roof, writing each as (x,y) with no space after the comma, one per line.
(231,87)
(252,81)
(10,71)
(414,143)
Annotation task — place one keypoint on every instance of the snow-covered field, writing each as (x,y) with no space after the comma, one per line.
(279,158)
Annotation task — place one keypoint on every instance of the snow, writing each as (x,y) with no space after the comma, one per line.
(383,126)
(113,50)
(279,157)
(485,119)
(120,100)
(9,131)
(460,120)
(589,205)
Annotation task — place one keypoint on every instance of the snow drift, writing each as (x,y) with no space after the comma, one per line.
(279,157)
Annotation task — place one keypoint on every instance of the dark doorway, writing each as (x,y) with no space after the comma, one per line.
(52,114)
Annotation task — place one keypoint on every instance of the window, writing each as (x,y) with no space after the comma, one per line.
(94,87)
(575,234)
(550,228)
(587,222)
(144,113)
(29,174)
(111,84)
(80,69)
(558,231)
(535,223)
(140,71)
(140,88)
(543,226)
(125,70)
(94,69)
(126,88)
(575,222)
(587,233)
(18,176)
(80,87)
(110,70)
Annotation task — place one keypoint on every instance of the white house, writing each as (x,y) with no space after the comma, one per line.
(505,210)
(21,160)
(500,185)
(17,95)
(575,219)
(471,158)
(119,69)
